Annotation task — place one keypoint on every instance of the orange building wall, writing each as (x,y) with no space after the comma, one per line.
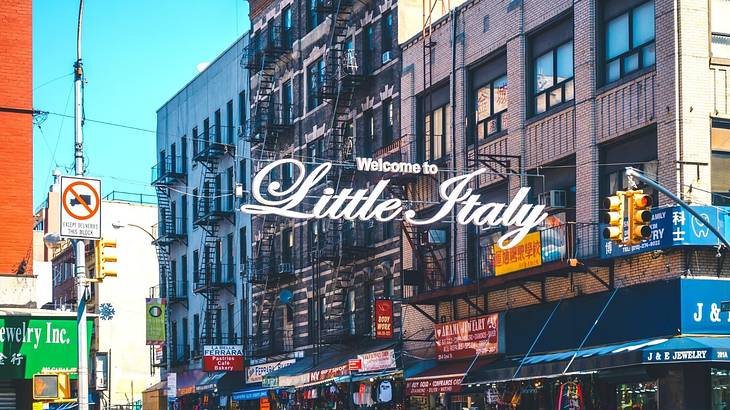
(16,135)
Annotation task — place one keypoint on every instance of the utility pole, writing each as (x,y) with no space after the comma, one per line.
(81,283)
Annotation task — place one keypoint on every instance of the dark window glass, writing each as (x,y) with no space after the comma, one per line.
(218,137)
(196,266)
(287,25)
(314,16)
(315,77)
(388,122)
(368,49)
(242,108)
(490,108)
(436,126)
(553,77)
(369,124)
(184,275)
(229,122)
(387,36)
(287,97)
(629,41)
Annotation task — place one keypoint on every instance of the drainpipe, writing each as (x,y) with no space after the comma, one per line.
(678,102)
(452,91)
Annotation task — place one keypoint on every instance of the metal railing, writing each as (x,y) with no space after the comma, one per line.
(131,197)
(170,230)
(220,203)
(273,42)
(215,275)
(169,170)
(271,342)
(564,242)
(211,145)
(269,269)
(402,149)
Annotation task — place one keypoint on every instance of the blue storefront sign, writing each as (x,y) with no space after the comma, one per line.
(701,299)
(673,226)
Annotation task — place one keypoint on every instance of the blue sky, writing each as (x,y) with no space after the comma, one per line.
(136,55)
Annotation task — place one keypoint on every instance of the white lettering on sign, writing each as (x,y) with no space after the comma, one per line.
(365,204)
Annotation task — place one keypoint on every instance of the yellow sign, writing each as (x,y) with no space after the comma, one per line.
(526,254)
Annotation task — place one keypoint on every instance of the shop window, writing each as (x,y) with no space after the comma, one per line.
(551,53)
(315,78)
(640,396)
(720,382)
(629,41)
(490,108)
(720,27)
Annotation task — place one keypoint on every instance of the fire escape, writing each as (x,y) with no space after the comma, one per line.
(169,171)
(344,241)
(213,208)
(268,52)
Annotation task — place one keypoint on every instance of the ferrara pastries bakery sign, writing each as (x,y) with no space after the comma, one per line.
(367,204)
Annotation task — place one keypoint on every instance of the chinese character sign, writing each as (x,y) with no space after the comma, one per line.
(383,319)
(467,338)
(526,254)
(155,321)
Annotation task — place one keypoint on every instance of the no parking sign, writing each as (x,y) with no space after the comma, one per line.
(80,208)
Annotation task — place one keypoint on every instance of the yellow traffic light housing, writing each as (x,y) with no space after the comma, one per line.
(106,258)
(614,217)
(51,387)
(640,217)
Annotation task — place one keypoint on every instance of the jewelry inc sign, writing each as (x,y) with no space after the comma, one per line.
(367,204)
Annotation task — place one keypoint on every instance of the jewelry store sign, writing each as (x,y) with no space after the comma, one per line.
(367,204)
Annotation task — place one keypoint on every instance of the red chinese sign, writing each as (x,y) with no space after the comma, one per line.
(450,384)
(467,338)
(225,358)
(383,319)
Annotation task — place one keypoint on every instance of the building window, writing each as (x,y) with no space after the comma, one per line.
(350,309)
(195,142)
(229,122)
(490,107)
(388,122)
(242,246)
(196,334)
(630,41)
(218,137)
(184,274)
(388,287)
(314,153)
(230,316)
(720,27)
(368,49)
(639,152)
(287,97)
(315,78)
(369,124)
(436,125)
(242,108)
(314,16)
(553,77)
(196,267)
(287,244)
(387,36)
(286,29)
(720,163)
(196,211)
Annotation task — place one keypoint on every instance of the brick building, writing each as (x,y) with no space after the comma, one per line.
(16,105)
(561,97)
(324,88)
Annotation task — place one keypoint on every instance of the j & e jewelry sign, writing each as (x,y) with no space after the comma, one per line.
(366,204)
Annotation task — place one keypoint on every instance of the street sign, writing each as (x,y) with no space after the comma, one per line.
(80,207)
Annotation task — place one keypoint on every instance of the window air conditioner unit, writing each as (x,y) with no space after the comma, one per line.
(553,199)
(386,56)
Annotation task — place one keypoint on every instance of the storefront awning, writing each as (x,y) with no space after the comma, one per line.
(187,380)
(440,377)
(251,393)
(209,382)
(689,349)
(565,362)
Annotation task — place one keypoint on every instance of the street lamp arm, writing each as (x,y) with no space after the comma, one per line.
(142,229)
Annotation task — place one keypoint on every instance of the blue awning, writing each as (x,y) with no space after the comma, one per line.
(689,349)
(209,381)
(251,393)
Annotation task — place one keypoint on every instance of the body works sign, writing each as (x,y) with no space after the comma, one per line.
(383,319)
(470,337)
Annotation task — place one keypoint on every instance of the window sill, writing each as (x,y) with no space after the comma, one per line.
(553,110)
(720,61)
(626,79)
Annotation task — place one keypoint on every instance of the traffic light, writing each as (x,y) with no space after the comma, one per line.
(106,258)
(640,217)
(614,217)
(51,386)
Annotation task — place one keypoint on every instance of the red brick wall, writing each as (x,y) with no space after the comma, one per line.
(16,149)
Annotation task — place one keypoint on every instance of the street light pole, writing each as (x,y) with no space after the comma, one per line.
(81,283)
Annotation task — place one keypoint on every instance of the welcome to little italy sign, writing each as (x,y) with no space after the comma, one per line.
(367,204)
(30,345)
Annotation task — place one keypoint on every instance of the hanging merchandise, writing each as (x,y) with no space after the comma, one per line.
(492,395)
(385,391)
(363,395)
(570,397)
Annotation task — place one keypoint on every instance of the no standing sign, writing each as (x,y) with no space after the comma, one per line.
(80,208)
